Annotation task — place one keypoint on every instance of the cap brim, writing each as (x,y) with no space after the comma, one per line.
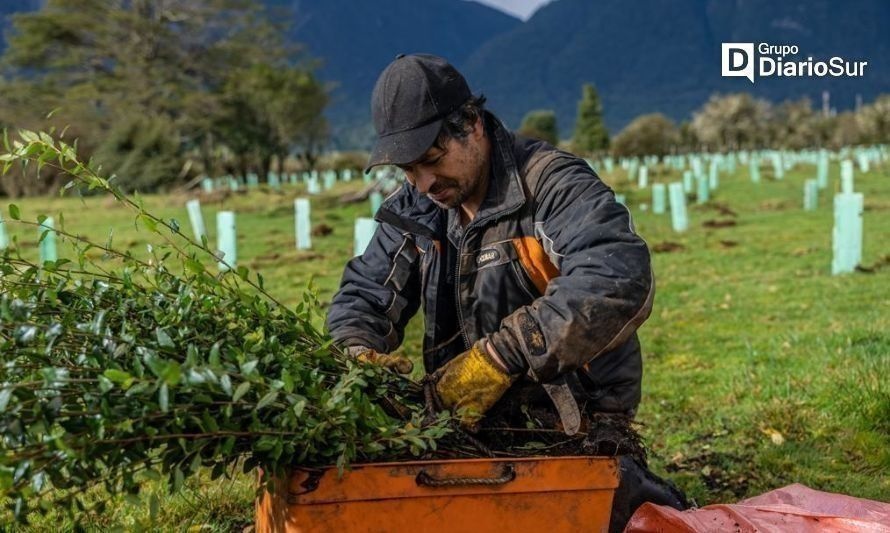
(404,147)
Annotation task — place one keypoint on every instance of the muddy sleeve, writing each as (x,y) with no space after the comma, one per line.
(604,288)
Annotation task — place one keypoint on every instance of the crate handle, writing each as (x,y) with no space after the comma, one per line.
(508,474)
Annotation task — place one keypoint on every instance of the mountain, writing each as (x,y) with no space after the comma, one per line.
(643,55)
(355,41)
(654,55)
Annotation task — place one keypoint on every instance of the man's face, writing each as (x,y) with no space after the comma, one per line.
(452,174)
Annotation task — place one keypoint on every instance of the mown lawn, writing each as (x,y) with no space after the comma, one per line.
(762,369)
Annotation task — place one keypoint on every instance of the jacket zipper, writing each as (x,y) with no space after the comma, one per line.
(460,252)
(460,315)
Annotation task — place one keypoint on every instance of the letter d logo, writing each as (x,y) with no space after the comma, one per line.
(738,60)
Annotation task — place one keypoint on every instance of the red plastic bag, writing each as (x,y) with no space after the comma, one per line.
(789,509)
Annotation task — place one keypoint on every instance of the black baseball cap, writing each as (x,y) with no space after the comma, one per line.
(411,98)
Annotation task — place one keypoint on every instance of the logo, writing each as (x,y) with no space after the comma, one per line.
(779,60)
(738,60)
(487,257)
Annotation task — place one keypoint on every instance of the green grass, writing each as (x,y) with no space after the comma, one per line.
(762,369)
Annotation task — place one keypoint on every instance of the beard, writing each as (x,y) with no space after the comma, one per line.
(456,191)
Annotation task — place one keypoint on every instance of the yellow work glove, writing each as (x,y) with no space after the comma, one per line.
(393,362)
(472,381)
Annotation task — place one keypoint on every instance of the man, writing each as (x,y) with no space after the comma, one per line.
(532,279)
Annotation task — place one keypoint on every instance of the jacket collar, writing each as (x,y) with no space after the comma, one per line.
(410,211)
(505,192)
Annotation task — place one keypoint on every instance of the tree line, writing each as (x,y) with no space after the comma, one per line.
(162,92)
(725,122)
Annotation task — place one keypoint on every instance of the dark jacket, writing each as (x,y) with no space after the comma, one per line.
(550,270)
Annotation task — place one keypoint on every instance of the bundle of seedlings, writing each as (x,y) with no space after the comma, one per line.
(115,368)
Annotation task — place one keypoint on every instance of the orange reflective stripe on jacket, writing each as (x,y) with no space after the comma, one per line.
(535,261)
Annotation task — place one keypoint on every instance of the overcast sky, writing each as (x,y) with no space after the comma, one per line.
(520,8)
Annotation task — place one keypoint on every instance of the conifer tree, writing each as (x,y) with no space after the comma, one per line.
(591,134)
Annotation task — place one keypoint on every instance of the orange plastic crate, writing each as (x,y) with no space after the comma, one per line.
(478,495)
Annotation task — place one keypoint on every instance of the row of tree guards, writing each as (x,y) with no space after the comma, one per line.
(316,182)
(226,233)
(847,233)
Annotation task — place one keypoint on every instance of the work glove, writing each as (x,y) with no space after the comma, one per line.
(471,384)
(396,363)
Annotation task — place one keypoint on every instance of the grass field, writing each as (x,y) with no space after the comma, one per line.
(762,369)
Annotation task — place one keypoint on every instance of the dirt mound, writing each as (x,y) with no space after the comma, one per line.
(322,230)
(719,223)
(667,247)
